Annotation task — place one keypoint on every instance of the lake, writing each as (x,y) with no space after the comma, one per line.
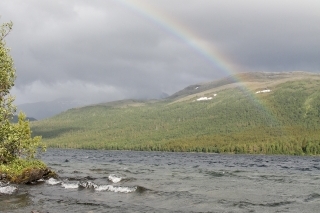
(128,181)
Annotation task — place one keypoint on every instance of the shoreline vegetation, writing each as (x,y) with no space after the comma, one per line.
(17,147)
(23,171)
(273,148)
(285,120)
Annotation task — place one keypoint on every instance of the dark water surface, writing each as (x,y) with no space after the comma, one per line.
(125,181)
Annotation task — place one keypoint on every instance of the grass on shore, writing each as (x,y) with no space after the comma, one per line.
(16,170)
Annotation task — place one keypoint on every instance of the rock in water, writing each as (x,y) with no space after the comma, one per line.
(32,175)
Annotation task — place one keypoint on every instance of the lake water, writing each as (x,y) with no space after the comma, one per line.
(126,181)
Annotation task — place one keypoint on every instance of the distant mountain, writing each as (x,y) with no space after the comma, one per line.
(42,110)
(15,119)
(236,80)
(263,113)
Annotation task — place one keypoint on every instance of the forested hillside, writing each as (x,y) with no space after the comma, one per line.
(283,120)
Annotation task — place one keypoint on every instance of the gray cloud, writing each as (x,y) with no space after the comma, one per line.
(107,50)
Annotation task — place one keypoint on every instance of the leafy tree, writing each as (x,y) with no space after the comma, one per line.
(15,139)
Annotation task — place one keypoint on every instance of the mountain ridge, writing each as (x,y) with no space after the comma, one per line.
(232,118)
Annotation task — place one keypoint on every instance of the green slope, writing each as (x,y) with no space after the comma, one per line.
(283,121)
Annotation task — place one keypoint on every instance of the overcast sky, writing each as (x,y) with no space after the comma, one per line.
(104,50)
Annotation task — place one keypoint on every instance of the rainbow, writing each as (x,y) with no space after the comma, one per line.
(203,48)
(169,24)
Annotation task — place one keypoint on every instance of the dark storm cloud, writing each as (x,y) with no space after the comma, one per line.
(107,50)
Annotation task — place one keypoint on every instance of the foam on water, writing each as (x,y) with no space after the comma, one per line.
(52,181)
(88,185)
(116,189)
(91,185)
(70,185)
(114,178)
(8,189)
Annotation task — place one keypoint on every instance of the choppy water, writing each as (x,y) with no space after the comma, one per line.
(125,181)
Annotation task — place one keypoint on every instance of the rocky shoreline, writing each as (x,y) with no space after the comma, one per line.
(29,176)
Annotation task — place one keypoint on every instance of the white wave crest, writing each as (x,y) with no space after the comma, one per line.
(8,189)
(88,185)
(70,185)
(52,181)
(114,178)
(116,189)
(91,185)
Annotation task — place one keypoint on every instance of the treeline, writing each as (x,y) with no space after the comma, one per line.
(214,144)
(285,121)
